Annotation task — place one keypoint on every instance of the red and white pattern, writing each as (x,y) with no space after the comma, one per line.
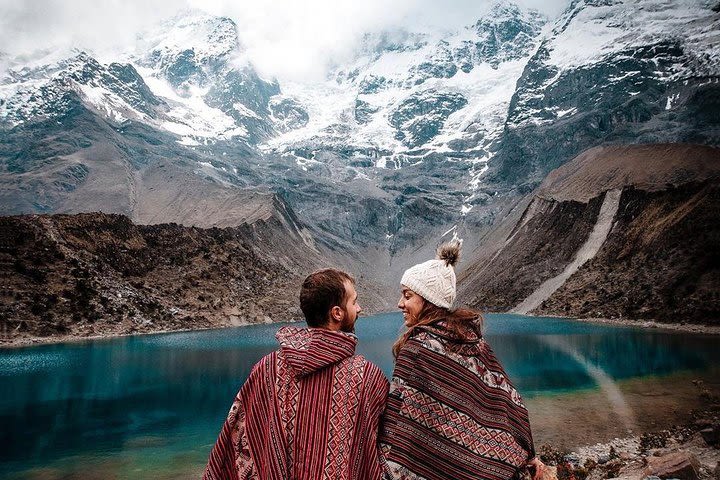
(308,411)
(461,428)
(452,413)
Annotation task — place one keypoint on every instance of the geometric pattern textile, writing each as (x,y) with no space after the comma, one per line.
(452,412)
(308,411)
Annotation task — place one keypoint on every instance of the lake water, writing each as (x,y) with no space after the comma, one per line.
(151,406)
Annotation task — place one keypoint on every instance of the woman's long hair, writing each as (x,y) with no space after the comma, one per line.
(459,322)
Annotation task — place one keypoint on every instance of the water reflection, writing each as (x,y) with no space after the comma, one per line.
(163,396)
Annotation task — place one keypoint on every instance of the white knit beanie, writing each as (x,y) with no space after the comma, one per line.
(434,280)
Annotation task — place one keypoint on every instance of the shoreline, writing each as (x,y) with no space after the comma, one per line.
(627,322)
(22,342)
(71,339)
(649,324)
(687,450)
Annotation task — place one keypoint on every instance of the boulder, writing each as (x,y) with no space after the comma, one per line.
(711,435)
(682,465)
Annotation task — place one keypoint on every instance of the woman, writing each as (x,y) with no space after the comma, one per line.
(452,412)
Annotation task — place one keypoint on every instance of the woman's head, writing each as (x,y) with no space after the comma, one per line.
(427,295)
(434,280)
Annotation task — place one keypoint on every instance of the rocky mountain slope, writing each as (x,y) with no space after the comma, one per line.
(485,110)
(623,231)
(614,72)
(99,274)
(423,135)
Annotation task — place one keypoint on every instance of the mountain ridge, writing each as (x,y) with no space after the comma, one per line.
(421,137)
(643,264)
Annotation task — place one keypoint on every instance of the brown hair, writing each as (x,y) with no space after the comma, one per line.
(459,323)
(321,291)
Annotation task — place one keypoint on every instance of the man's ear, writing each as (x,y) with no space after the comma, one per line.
(337,314)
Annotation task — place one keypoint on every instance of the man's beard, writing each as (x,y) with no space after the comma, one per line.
(346,326)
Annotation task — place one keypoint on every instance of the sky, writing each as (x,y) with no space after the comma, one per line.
(287,39)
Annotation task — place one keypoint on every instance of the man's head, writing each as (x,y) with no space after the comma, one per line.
(328,300)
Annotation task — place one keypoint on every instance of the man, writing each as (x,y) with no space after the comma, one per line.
(309,410)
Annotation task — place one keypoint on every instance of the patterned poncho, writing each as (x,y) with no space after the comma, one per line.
(452,412)
(308,411)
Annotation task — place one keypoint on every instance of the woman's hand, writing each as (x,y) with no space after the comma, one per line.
(536,468)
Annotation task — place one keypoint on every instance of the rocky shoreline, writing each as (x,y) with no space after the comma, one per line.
(685,452)
(677,327)
(22,342)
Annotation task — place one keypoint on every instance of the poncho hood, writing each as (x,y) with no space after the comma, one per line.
(307,350)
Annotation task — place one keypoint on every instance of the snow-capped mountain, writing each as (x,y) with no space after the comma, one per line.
(195,59)
(43,92)
(420,132)
(615,71)
(412,94)
(185,78)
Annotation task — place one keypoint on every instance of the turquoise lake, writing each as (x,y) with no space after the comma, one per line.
(151,406)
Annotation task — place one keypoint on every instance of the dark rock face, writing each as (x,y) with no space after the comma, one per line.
(93,274)
(364,111)
(659,261)
(371,84)
(246,89)
(420,117)
(503,36)
(132,87)
(647,268)
(288,114)
(441,65)
(538,248)
(644,94)
(182,68)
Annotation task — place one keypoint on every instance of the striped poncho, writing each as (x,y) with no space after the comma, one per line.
(309,411)
(452,412)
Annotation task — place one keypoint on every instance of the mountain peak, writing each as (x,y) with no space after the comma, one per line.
(207,36)
(504,13)
(506,9)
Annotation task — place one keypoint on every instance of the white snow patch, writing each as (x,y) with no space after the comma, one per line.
(191,116)
(245,111)
(109,104)
(188,142)
(569,111)
(449,231)
(476,177)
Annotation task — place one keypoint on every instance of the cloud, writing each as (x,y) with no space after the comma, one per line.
(30,25)
(290,39)
(299,39)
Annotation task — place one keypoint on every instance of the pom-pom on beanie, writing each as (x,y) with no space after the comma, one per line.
(434,280)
